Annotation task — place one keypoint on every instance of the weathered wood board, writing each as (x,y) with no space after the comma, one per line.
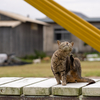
(39,98)
(90,98)
(51,98)
(4,80)
(91,90)
(41,88)
(16,88)
(71,89)
(45,87)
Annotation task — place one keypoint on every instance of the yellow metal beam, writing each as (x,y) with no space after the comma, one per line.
(71,22)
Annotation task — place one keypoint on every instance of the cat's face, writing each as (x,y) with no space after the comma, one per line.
(65,46)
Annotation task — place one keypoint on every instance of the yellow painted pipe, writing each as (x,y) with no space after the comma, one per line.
(67,17)
(51,11)
(37,4)
(75,16)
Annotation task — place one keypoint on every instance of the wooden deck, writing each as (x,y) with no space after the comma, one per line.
(18,88)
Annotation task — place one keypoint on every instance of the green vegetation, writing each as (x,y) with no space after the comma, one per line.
(44,70)
(37,54)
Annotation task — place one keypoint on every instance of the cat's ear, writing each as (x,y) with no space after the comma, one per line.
(58,42)
(72,43)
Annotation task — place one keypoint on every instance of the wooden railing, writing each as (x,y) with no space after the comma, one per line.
(18,88)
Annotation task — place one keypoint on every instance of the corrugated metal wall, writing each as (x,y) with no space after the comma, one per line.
(21,40)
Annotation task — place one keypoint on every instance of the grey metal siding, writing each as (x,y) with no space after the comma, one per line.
(40,37)
(21,40)
(5,45)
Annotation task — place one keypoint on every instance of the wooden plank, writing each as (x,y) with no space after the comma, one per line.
(91,90)
(90,98)
(50,98)
(38,98)
(47,98)
(71,89)
(4,80)
(41,88)
(12,98)
(15,88)
(65,98)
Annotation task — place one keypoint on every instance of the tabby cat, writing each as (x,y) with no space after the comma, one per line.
(58,61)
(74,75)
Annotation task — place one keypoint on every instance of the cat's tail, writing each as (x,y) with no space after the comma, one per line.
(83,79)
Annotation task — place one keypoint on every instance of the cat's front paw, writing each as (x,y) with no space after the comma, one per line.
(64,84)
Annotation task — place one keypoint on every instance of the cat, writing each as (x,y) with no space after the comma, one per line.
(74,75)
(58,61)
